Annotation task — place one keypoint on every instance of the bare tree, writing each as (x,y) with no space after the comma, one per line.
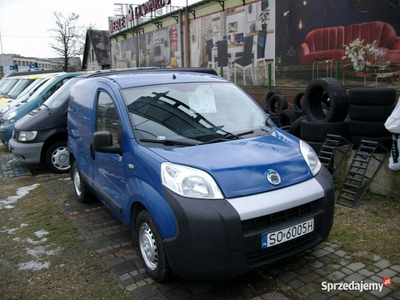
(67,36)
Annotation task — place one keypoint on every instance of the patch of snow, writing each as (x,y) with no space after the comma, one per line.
(17,239)
(64,179)
(12,160)
(23,225)
(30,241)
(42,250)
(41,233)
(34,266)
(21,192)
(11,231)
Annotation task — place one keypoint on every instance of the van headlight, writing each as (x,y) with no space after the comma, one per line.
(310,157)
(25,136)
(189,182)
(5,109)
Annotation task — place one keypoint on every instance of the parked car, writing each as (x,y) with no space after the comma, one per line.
(41,136)
(34,101)
(193,165)
(11,100)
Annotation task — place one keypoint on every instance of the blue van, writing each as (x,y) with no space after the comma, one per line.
(35,100)
(208,184)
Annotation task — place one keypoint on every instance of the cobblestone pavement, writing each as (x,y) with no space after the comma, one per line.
(300,277)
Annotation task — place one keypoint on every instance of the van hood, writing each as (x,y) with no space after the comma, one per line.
(42,119)
(240,167)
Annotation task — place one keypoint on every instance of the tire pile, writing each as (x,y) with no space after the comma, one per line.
(369,109)
(327,109)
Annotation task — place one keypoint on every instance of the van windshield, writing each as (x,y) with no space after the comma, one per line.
(194,113)
(19,87)
(42,88)
(62,94)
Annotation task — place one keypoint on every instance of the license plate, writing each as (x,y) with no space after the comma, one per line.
(286,234)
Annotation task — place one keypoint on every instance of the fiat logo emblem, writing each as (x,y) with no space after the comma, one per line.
(273,177)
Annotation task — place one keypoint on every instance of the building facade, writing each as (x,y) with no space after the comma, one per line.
(24,64)
(289,43)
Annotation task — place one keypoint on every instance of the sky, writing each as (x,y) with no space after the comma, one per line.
(25,24)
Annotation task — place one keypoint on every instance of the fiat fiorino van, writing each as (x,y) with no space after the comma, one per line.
(209,185)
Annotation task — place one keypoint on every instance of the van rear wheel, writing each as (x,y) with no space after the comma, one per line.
(151,247)
(57,157)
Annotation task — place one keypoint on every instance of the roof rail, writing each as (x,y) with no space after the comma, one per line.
(151,69)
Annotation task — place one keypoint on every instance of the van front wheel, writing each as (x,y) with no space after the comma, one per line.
(81,191)
(57,157)
(151,247)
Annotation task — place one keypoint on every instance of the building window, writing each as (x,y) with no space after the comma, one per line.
(92,55)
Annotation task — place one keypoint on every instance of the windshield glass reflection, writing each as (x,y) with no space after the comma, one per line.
(193,113)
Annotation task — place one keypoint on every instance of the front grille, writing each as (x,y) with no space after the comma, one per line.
(264,222)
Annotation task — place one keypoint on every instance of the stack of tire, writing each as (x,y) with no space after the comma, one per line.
(277,108)
(369,109)
(326,107)
(324,111)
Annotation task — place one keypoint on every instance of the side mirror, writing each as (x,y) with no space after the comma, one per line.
(103,142)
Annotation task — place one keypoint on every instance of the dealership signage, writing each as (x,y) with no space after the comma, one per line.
(137,12)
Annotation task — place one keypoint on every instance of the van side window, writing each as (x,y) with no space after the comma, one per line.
(107,116)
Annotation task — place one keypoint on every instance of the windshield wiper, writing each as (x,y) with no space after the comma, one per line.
(168,142)
(228,137)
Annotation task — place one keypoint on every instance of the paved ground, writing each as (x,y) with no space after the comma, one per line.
(301,277)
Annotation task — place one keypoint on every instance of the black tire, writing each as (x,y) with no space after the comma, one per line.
(315,145)
(372,97)
(81,191)
(151,247)
(276,104)
(367,128)
(370,113)
(268,95)
(317,131)
(385,141)
(297,101)
(295,127)
(332,92)
(287,117)
(57,157)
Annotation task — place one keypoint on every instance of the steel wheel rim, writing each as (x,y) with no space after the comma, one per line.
(60,158)
(148,246)
(77,183)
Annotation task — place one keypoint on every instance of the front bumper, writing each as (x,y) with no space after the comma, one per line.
(216,240)
(28,153)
